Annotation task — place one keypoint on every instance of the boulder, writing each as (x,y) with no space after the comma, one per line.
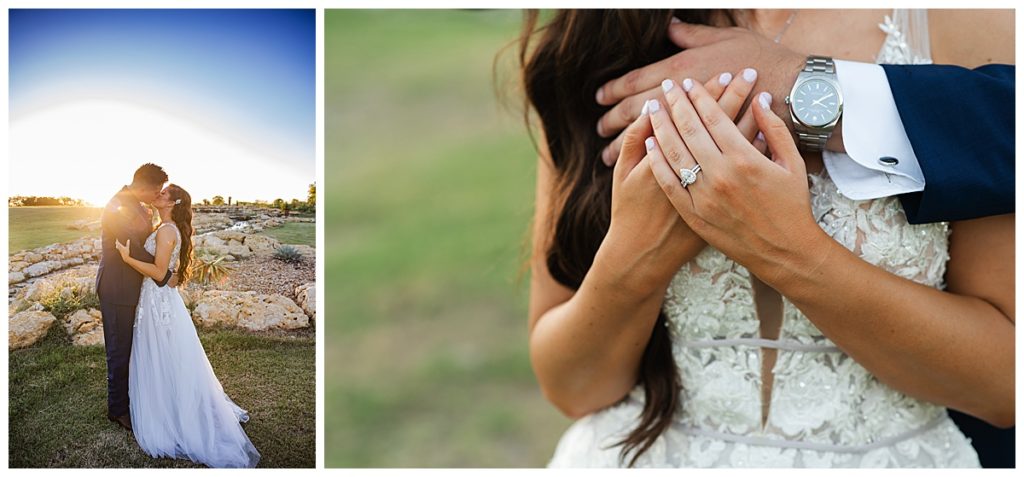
(71,262)
(205,222)
(306,251)
(82,321)
(261,244)
(238,249)
(228,235)
(28,327)
(15,277)
(306,298)
(211,240)
(41,268)
(85,327)
(93,337)
(248,310)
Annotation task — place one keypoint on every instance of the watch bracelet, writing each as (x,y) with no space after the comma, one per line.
(809,141)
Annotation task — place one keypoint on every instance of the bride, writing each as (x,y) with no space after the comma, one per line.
(178,407)
(669,353)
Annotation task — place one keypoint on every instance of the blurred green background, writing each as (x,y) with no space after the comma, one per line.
(429,193)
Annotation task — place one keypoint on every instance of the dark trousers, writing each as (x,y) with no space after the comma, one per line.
(995,446)
(118,324)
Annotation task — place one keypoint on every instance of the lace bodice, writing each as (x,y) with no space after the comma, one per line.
(150,245)
(818,394)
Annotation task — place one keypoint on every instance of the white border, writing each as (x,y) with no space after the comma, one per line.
(322,192)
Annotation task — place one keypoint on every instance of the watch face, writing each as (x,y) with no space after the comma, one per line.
(816,102)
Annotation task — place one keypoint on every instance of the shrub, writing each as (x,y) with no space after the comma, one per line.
(288,254)
(67,297)
(208,267)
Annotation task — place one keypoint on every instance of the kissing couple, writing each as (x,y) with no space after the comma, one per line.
(160,384)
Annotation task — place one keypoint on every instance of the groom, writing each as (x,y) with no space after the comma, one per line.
(118,285)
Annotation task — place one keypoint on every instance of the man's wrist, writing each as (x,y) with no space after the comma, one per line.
(788,71)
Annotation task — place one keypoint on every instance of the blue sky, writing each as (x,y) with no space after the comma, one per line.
(241,80)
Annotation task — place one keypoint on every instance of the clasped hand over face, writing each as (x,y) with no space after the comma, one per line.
(643,221)
(754,209)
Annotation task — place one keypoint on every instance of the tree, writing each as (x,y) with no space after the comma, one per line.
(312,195)
(206,201)
(33,201)
(218,200)
(278,203)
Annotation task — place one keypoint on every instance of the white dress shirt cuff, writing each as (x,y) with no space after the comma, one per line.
(872,130)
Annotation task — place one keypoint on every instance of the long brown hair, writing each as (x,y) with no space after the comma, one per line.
(575,53)
(181,214)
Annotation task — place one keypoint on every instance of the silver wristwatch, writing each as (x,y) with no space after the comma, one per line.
(815,103)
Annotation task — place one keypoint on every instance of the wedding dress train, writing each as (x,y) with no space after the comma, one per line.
(178,407)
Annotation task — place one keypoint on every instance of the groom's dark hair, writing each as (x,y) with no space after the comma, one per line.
(149,174)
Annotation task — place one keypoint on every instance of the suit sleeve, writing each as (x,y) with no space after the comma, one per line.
(960,123)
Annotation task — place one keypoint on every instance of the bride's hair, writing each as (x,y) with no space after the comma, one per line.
(181,214)
(574,54)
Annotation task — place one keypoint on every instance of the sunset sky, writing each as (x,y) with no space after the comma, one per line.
(224,100)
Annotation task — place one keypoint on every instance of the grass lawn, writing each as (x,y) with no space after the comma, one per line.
(429,190)
(294,233)
(33,227)
(58,403)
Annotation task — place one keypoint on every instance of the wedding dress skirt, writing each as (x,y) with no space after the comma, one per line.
(178,407)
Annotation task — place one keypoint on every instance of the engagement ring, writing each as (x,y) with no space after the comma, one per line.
(689,176)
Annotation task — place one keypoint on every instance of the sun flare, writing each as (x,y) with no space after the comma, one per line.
(88,149)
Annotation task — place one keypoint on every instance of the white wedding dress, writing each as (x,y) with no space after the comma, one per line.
(178,407)
(822,409)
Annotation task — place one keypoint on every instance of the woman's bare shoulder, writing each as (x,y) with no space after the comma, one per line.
(972,38)
(167,233)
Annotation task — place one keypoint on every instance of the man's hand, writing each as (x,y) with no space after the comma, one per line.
(706,51)
(173,282)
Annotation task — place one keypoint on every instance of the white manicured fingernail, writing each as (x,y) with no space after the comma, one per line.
(643,110)
(654,106)
(649,143)
(676,20)
(666,85)
(724,79)
(687,85)
(750,75)
(759,137)
(765,99)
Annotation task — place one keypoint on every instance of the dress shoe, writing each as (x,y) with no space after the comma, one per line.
(124,421)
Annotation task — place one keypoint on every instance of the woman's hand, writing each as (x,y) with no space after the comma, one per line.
(124,249)
(757,211)
(730,92)
(754,209)
(642,220)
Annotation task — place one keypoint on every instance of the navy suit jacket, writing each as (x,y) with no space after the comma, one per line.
(123,219)
(960,123)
